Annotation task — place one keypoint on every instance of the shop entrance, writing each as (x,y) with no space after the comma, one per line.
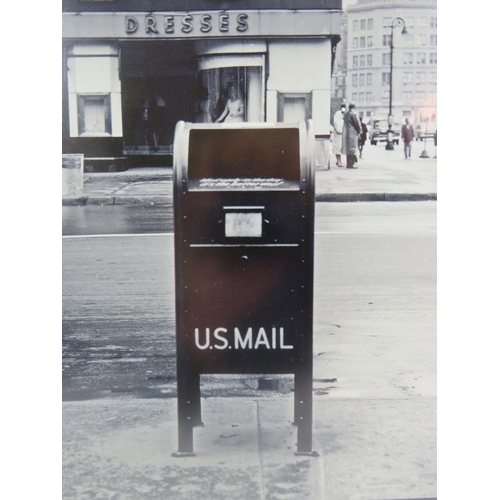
(158,90)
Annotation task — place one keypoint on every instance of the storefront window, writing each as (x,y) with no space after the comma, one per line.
(229,94)
(294,107)
(94,112)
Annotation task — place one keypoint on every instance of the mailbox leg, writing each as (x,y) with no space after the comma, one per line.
(188,410)
(196,401)
(303,412)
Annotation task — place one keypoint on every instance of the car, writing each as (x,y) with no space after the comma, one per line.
(425,131)
(378,132)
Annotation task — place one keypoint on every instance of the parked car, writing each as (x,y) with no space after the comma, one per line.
(378,132)
(425,131)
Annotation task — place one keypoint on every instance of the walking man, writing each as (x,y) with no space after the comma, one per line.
(350,134)
(407,135)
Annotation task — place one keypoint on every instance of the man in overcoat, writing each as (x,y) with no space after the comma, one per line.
(352,129)
(407,135)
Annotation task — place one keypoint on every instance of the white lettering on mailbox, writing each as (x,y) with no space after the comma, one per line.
(218,339)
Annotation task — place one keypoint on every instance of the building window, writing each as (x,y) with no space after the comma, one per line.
(362,61)
(94,114)
(386,78)
(422,22)
(362,80)
(433,77)
(420,57)
(361,98)
(409,40)
(354,96)
(354,80)
(420,77)
(386,40)
(385,96)
(434,40)
(422,40)
(386,59)
(368,98)
(434,22)
(433,58)
(362,42)
(355,25)
(368,78)
(363,24)
(408,58)
(369,24)
(407,97)
(407,77)
(420,97)
(369,41)
(369,60)
(354,61)
(355,43)
(433,96)
(294,107)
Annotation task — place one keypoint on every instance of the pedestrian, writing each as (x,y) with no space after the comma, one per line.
(336,136)
(362,136)
(350,134)
(407,135)
(436,143)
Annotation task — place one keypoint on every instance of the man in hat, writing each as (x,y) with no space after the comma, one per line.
(407,135)
(350,134)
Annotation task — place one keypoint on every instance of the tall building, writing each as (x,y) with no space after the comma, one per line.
(414,59)
(132,69)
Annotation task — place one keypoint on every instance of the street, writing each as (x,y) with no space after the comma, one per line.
(374,307)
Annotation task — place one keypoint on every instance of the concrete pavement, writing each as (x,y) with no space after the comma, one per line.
(382,176)
(368,449)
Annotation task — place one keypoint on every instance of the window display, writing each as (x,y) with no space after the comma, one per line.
(229,95)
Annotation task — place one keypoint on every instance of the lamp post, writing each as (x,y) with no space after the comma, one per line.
(424,153)
(397,22)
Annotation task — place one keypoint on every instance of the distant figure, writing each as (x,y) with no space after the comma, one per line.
(362,137)
(234,110)
(350,134)
(158,119)
(407,135)
(338,127)
(436,143)
(203,114)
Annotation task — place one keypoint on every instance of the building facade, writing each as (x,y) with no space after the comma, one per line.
(414,63)
(132,69)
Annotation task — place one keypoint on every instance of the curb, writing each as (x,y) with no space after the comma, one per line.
(353,197)
(117,200)
(324,197)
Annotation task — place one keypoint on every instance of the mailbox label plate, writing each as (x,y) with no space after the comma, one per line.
(243,225)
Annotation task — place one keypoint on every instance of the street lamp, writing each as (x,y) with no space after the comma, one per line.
(398,22)
(424,153)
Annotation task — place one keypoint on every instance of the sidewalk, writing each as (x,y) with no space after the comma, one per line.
(382,176)
(368,449)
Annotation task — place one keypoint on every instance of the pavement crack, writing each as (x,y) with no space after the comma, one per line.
(259,447)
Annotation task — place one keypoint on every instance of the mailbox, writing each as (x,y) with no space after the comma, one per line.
(244,242)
